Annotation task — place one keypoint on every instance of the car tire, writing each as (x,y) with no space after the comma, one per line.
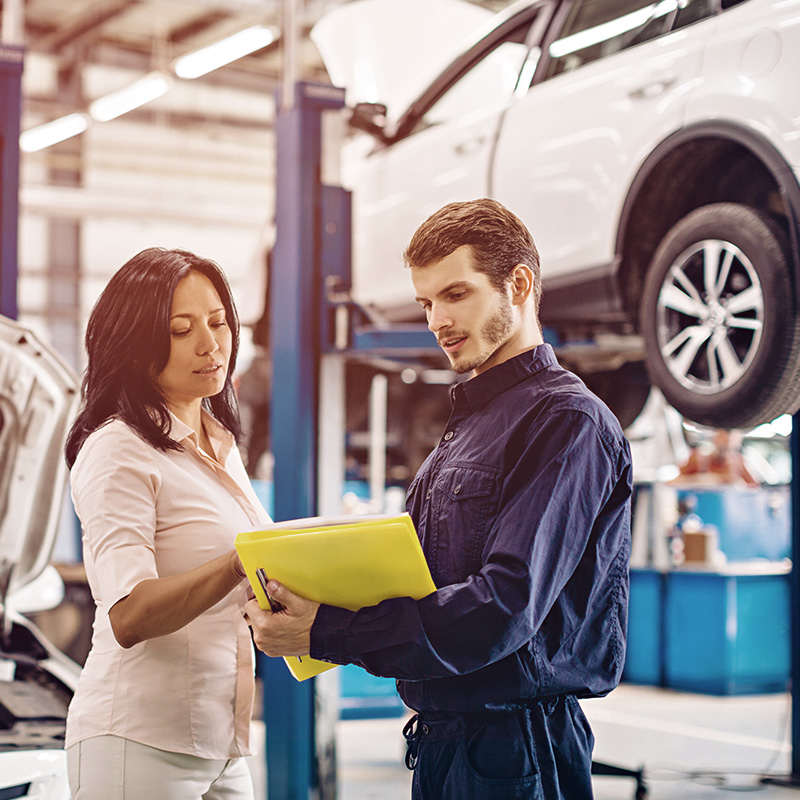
(719,318)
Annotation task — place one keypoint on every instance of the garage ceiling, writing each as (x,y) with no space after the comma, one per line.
(200,159)
(149,34)
(146,35)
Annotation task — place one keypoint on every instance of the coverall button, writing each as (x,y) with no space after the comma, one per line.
(448,436)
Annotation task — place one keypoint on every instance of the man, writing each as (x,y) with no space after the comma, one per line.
(523,510)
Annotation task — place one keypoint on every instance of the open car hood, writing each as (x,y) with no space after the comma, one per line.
(388,51)
(38,397)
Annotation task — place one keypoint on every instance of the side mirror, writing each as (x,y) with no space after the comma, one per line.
(369,117)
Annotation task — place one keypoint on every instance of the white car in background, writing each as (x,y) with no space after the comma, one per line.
(652,148)
(38,397)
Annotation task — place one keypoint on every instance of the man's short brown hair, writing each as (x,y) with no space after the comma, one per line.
(499,241)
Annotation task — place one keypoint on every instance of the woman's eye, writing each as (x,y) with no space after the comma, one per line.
(182,333)
(221,324)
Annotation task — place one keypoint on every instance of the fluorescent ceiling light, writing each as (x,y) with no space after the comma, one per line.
(124,100)
(200,62)
(52,132)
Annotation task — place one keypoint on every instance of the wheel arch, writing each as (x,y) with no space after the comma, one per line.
(702,164)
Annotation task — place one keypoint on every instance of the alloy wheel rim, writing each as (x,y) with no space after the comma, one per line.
(710,316)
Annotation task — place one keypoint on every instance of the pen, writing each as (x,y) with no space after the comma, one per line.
(262,579)
(273,604)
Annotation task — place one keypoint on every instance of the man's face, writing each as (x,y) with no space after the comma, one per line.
(475,324)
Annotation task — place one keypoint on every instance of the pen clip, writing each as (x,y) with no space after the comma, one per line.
(273,604)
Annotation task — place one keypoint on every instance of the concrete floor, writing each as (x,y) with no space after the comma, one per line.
(691,747)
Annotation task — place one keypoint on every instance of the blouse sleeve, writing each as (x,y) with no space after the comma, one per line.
(115,485)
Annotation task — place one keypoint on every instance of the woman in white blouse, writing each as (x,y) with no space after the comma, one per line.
(163,707)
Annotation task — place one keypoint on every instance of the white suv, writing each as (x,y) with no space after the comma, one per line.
(651,146)
(38,397)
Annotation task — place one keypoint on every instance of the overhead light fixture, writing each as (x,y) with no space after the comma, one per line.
(113,105)
(51,133)
(207,59)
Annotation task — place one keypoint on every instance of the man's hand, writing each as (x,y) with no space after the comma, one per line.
(287,632)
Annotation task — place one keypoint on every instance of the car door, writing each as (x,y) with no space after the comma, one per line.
(443,154)
(613,82)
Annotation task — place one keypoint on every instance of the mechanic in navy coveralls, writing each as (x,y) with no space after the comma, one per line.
(523,510)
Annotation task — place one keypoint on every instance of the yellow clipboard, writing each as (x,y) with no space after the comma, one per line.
(350,562)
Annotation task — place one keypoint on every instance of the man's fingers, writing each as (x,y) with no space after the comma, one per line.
(284,633)
(279,591)
(289,600)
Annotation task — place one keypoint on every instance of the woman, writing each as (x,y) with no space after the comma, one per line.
(164,703)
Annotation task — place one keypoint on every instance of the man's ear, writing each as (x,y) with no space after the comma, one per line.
(521,284)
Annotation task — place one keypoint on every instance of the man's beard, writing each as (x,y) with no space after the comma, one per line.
(494,333)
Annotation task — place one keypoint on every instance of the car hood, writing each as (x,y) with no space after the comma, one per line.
(38,397)
(388,51)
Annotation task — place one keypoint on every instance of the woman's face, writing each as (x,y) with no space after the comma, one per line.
(200,344)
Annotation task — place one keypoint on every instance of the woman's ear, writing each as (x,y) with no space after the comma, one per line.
(522,282)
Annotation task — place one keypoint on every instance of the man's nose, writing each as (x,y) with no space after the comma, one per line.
(438,319)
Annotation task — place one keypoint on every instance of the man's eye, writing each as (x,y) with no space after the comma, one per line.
(456,295)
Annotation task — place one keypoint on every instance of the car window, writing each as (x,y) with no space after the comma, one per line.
(597,28)
(491,79)
(689,12)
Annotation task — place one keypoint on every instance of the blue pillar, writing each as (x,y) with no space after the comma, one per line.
(295,320)
(10,109)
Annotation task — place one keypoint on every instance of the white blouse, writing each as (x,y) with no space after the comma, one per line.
(147,514)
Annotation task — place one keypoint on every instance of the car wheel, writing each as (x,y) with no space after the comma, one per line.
(719,318)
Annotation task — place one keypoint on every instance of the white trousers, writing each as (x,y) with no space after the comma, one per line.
(112,768)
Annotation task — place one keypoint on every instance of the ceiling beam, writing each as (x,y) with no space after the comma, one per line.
(86,27)
(197,25)
(148,116)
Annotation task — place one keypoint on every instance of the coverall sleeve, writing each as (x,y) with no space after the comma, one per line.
(564,476)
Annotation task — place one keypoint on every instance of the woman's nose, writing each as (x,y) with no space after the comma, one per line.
(208,342)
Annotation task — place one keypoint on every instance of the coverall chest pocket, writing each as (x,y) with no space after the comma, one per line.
(467,501)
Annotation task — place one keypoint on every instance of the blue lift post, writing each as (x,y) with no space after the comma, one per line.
(10,110)
(295,318)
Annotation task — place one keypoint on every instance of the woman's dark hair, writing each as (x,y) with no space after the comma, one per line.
(128,343)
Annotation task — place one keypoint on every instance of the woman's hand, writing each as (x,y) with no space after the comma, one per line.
(286,632)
